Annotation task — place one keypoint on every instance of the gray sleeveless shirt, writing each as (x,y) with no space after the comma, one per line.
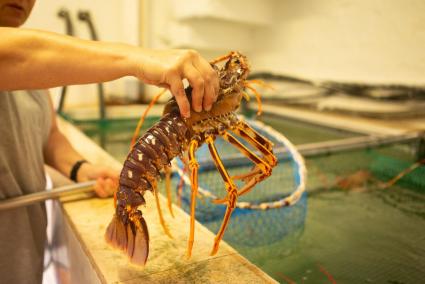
(25,121)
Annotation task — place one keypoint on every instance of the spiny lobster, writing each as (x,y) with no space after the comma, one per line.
(174,135)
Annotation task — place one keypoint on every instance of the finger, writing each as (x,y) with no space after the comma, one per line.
(216,85)
(111,174)
(99,188)
(211,82)
(210,98)
(197,82)
(110,186)
(177,89)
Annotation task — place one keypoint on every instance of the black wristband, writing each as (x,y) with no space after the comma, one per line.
(75,168)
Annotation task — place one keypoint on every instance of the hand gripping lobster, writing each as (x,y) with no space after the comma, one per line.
(172,136)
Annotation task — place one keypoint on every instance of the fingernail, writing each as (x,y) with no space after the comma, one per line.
(186,115)
(198,109)
(208,107)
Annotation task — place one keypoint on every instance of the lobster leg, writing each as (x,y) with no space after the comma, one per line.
(158,206)
(181,182)
(262,170)
(167,170)
(264,145)
(193,164)
(180,191)
(263,167)
(262,164)
(231,189)
(247,175)
(258,141)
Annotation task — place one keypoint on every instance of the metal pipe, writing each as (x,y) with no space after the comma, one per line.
(64,13)
(354,143)
(32,198)
(86,17)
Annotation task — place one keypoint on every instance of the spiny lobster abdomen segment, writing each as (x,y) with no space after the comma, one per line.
(177,126)
(134,171)
(163,141)
(151,148)
(127,196)
(173,148)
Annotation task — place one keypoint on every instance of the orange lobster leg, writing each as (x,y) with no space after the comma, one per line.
(158,206)
(231,189)
(254,138)
(193,164)
(256,178)
(262,170)
(181,182)
(245,176)
(246,188)
(261,163)
(167,170)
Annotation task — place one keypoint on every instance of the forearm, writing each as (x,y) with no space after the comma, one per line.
(31,59)
(60,154)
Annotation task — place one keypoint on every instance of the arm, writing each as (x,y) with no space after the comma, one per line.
(45,60)
(60,154)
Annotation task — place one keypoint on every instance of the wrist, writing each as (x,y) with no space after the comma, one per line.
(117,57)
(75,172)
(129,58)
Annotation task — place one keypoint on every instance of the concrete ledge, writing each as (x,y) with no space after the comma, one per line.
(167,262)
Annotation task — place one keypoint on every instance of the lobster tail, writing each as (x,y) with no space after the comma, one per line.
(131,238)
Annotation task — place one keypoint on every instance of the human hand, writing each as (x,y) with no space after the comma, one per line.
(106,178)
(167,68)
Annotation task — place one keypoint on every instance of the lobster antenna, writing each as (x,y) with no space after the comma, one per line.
(261,83)
(142,118)
(257,96)
(222,58)
(403,173)
(246,96)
